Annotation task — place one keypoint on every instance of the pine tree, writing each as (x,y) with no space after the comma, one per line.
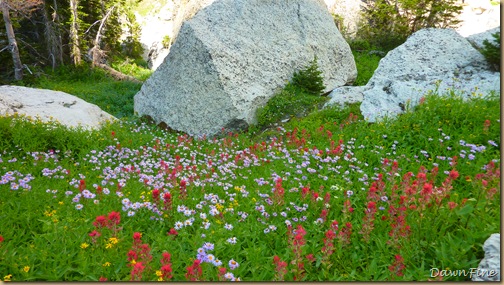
(310,79)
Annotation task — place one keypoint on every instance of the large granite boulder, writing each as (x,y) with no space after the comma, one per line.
(50,105)
(233,55)
(430,59)
(489,267)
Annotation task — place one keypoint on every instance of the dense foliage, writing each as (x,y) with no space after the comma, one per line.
(387,23)
(44,35)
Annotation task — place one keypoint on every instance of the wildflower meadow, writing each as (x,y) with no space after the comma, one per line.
(327,197)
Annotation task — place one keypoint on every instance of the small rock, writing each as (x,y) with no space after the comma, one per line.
(346,95)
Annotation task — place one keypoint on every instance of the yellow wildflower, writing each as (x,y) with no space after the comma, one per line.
(237,188)
(60,202)
(160,279)
(106,264)
(109,245)
(158,273)
(113,240)
(26,268)
(84,245)
(7,277)
(133,262)
(219,207)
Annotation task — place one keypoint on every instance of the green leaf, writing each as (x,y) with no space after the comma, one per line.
(466,210)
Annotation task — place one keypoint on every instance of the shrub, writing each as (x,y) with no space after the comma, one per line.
(492,51)
(310,79)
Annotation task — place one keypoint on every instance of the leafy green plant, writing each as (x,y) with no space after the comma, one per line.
(323,196)
(492,51)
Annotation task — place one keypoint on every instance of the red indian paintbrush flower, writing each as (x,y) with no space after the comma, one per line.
(398,266)
(454,174)
(114,218)
(137,236)
(136,272)
(100,222)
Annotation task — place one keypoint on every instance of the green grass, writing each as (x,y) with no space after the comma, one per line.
(288,103)
(332,154)
(137,68)
(97,87)
(366,65)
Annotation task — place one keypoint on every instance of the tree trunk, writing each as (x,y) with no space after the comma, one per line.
(96,52)
(18,66)
(74,33)
(52,35)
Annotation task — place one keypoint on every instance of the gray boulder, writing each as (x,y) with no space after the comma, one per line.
(48,105)
(489,267)
(234,55)
(430,59)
